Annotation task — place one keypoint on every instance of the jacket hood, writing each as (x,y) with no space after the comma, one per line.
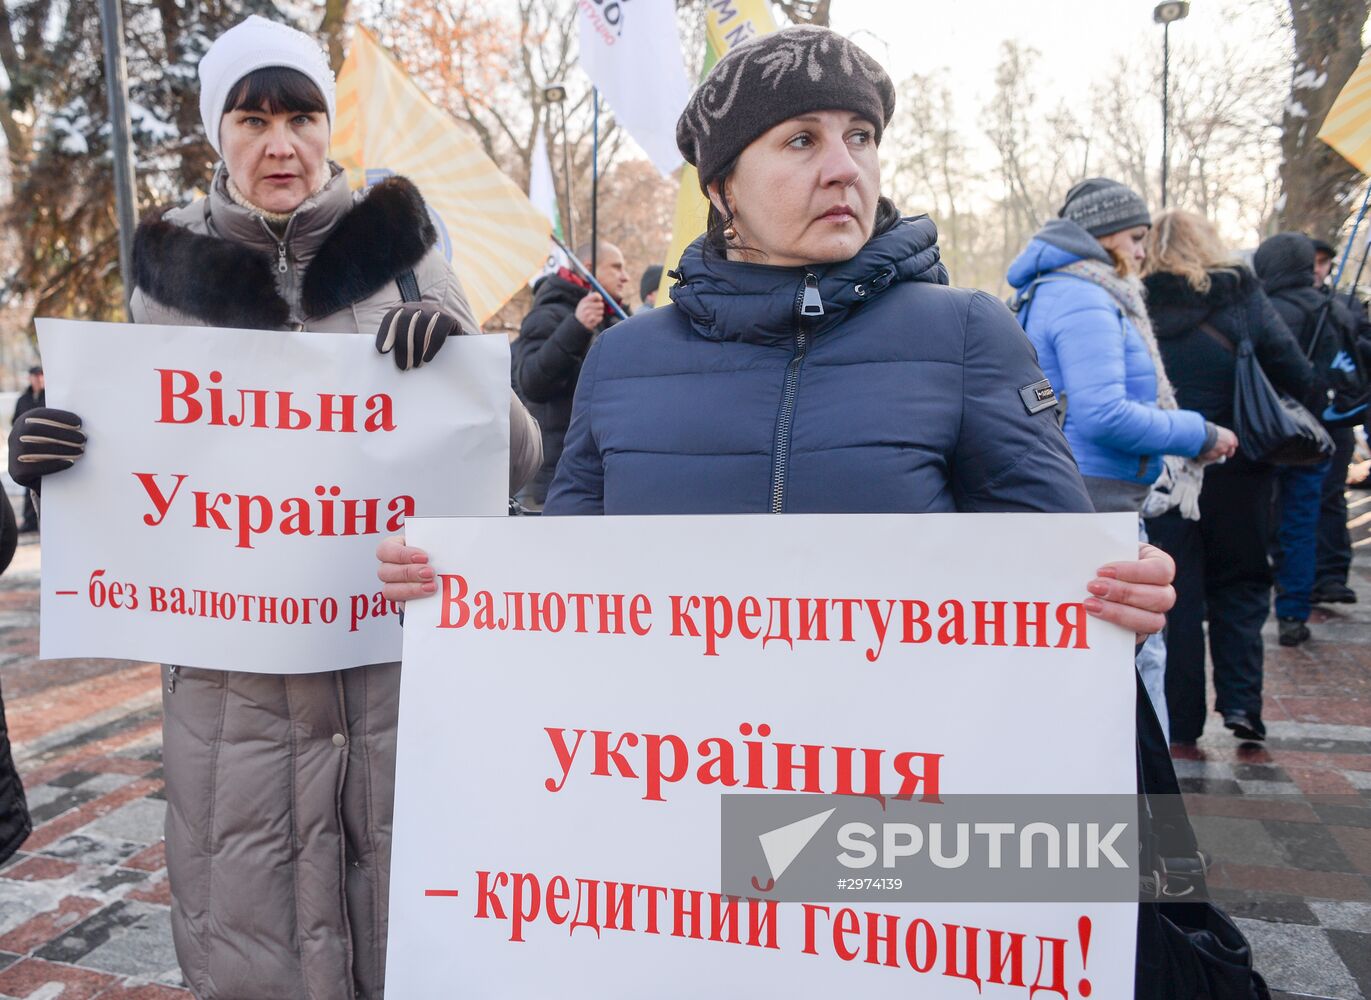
(1175,307)
(758,303)
(1057,244)
(1285,260)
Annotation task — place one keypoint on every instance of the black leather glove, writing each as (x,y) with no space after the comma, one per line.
(413,334)
(44,441)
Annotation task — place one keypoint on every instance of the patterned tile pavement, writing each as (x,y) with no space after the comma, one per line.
(84,906)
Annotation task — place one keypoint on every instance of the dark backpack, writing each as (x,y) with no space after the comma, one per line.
(1340,365)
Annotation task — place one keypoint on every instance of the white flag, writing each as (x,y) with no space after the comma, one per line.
(632,53)
(542,191)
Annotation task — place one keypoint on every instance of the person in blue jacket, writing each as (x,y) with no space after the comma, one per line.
(815,359)
(1080,300)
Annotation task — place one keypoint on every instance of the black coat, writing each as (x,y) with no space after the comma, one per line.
(15,824)
(1200,368)
(547,359)
(1285,264)
(28,400)
(14,812)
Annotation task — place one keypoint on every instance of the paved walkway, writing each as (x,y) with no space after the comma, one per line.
(84,906)
(1290,820)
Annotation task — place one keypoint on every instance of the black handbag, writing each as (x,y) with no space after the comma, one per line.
(1271,427)
(1187,947)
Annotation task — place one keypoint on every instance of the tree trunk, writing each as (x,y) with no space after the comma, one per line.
(16,135)
(1317,184)
(332,27)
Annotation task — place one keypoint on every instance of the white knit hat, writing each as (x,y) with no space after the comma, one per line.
(252,45)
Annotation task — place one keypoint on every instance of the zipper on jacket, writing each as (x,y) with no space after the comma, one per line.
(808,306)
(283,267)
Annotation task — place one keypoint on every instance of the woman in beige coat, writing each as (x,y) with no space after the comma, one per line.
(280,788)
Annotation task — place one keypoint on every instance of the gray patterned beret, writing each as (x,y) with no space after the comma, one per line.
(773,77)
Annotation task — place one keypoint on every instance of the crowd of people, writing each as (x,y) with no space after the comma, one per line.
(815,358)
(1135,323)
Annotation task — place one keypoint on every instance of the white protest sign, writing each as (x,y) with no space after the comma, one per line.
(581,691)
(236,483)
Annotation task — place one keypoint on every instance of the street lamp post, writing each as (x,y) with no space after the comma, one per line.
(555,93)
(1164,14)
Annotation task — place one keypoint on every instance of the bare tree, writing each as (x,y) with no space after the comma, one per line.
(488,68)
(1017,137)
(333,26)
(1224,107)
(1318,185)
(1224,134)
(53,115)
(929,171)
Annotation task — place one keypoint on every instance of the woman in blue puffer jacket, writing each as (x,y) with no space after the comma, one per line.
(1081,302)
(1080,299)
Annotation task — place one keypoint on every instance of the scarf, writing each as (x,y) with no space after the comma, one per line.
(1178,486)
(1129,294)
(277,220)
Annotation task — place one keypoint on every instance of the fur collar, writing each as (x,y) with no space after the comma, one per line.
(217,281)
(1226,286)
(225,283)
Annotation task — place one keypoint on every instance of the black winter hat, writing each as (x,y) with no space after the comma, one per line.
(1323,246)
(773,77)
(648,283)
(1101,206)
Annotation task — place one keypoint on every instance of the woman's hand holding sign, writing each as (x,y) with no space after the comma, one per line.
(404,570)
(1135,594)
(44,441)
(413,335)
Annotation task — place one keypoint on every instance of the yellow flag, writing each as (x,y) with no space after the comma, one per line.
(487,227)
(1347,127)
(726,25)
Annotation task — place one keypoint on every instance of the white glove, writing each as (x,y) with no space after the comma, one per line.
(1178,487)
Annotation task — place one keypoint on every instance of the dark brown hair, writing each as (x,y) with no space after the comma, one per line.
(275,90)
(887,215)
